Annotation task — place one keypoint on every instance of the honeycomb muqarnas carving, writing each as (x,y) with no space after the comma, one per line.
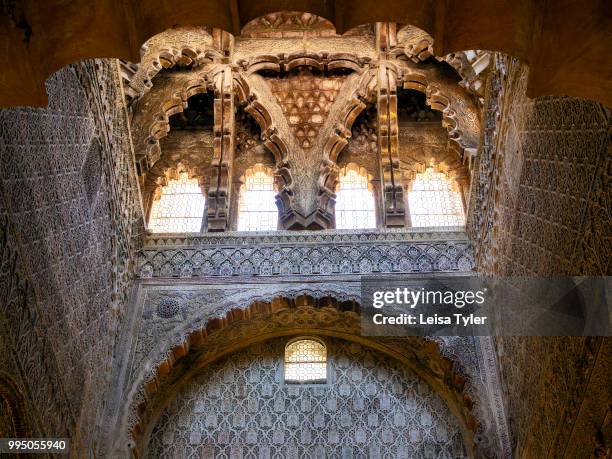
(306,100)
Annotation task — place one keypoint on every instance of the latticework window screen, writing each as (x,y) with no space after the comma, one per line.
(305,362)
(433,202)
(180,208)
(257,208)
(354,202)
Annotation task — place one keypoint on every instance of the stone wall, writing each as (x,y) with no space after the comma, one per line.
(231,279)
(71,214)
(44,400)
(548,161)
(371,406)
(541,206)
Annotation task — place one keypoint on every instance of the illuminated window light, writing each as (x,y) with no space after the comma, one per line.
(354,201)
(432,201)
(305,362)
(257,209)
(180,208)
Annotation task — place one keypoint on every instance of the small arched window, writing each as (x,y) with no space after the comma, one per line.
(257,206)
(435,200)
(306,362)
(354,199)
(179,207)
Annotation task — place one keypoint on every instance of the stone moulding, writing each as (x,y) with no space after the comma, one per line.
(321,61)
(459,113)
(287,253)
(455,233)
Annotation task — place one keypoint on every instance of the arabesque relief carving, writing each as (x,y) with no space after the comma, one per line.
(305,100)
(102,324)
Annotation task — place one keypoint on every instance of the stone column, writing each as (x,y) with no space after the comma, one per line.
(388,132)
(219,188)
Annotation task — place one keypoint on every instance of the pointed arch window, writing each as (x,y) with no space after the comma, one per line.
(179,207)
(355,206)
(435,200)
(257,209)
(306,362)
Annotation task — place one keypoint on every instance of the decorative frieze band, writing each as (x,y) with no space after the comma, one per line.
(286,253)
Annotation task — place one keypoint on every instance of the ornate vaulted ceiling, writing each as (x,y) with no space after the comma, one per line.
(304,85)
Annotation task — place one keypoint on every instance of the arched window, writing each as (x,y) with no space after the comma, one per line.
(305,362)
(434,202)
(354,199)
(257,208)
(180,207)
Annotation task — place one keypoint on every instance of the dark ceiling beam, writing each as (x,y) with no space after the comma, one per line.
(439,23)
(338,16)
(235,14)
(566,45)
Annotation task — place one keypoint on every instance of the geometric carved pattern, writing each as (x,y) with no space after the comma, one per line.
(306,100)
(25,352)
(67,176)
(372,406)
(282,254)
(540,206)
(168,308)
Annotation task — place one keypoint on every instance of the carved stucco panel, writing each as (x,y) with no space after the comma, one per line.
(370,406)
